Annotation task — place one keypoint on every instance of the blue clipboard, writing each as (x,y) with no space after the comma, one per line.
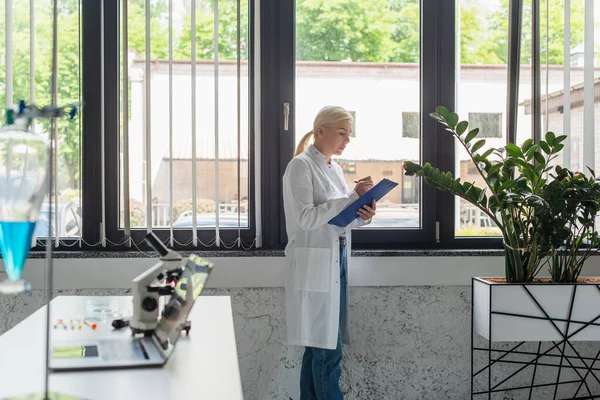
(376,193)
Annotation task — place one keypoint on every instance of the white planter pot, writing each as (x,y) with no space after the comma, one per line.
(536,311)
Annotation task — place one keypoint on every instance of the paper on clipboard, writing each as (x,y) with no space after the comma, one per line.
(377,192)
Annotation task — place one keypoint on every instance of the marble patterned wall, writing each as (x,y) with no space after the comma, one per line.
(408,343)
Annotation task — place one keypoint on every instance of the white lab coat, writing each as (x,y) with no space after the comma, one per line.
(313,193)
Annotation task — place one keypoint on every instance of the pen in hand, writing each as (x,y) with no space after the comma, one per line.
(368,178)
(363,185)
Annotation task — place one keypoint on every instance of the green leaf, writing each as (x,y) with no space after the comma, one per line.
(514,150)
(527,145)
(494,169)
(550,138)
(484,201)
(540,158)
(530,152)
(528,173)
(518,161)
(558,148)
(479,144)
(540,184)
(409,168)
(591,171)
(452,120)
(481,195)
(443,111)
(559,139)
(468,186)
(487,153)
(544,146)
(506,185)
(461,127)
(437,117)
(471,135)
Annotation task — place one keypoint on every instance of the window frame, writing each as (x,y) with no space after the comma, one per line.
(483,131)
(438,80)
(100,42)
(91,41)
(406,113)
(112,100)
(432,92)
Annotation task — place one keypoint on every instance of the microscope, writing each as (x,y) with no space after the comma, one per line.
(148,287)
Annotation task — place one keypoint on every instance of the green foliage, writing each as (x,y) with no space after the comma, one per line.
(205,32)
(515,196)
(338,30)
(574,200)
(332,30)
(69,57)
(497,36)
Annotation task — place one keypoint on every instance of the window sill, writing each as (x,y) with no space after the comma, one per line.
(266,268)
(268,253)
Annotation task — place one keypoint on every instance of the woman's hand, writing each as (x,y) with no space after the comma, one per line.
(363,185)
(366,213)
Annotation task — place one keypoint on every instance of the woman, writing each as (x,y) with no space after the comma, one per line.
(316,288)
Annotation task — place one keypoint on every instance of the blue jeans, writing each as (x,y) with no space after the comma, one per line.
(322,368)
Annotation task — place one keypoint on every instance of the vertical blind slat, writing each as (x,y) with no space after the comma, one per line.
(148,124)
(9,63)
(514,50)
(589,145)
(216,47)
(256,49)
(194,211)
(102,133)
(536,101)
(171,239)
(126,193)
(32,55)
(54,124)
(547,113)
(567,86)
(239,124)
(80,119)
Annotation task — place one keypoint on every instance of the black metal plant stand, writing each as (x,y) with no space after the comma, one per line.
(488,380)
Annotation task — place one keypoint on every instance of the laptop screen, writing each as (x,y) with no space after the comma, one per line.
(187,290)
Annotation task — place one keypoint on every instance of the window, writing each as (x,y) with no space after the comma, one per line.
(349,167)
(489,124)
(362,71)
(410,125)
(171,148)
(483,83)
(187,103)
(29,74)
(353,113)
(410,190)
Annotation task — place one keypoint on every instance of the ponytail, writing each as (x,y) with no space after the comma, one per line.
(303,143)
(327,116)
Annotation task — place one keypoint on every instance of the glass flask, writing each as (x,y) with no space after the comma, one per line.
(23,186)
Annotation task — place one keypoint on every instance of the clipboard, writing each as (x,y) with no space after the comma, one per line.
(377,192)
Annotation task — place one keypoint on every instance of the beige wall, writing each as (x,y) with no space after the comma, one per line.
(555,124)
(182,179)
(205,181)
(376,170)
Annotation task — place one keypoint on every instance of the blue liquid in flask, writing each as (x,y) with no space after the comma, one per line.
(15,242)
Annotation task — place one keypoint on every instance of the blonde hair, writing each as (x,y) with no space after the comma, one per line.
(327,116)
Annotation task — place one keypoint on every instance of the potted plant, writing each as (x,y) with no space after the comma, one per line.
(545,215)
(569,228)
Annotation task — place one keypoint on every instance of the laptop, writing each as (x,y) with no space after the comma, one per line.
(136,352)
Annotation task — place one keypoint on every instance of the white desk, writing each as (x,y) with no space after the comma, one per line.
(203,366)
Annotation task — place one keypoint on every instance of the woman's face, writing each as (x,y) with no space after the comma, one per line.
(332,140)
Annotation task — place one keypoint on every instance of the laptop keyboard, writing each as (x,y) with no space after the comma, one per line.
(121,350)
